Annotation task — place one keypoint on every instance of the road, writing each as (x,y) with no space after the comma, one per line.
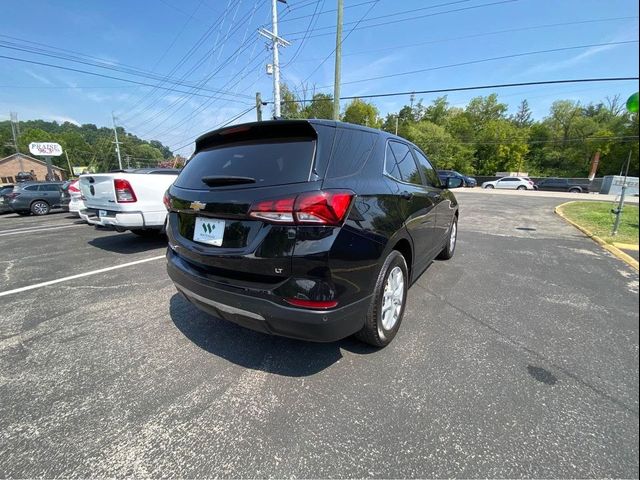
(518,358)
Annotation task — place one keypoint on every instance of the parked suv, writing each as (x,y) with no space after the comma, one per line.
(466,181)
(35,197)
(310,229)
(511,183)
(4,201)
(562,185)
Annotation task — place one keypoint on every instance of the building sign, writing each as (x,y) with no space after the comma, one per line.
(80,170)
(45,149)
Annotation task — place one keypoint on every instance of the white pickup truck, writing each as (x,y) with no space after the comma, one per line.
(127,200)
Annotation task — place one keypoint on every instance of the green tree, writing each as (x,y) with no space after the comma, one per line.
(290,106)
(522,117)
(444,150)
(501,146)
(321,106)
(362,113)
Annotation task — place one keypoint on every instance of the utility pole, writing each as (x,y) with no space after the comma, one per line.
(115,132)
(632,107)
(15,131)
(259,106)
(336,79)
(276,41)
(69,164)
(397,119)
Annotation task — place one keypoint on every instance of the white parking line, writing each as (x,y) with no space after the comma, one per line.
(37,229)
(80,275)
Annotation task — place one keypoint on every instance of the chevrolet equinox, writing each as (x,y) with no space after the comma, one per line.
(310,229)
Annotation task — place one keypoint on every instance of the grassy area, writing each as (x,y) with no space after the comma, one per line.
(598,219)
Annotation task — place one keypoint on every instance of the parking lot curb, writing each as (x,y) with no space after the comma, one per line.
(610,248)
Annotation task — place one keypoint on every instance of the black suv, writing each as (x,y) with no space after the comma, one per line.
(562,185)
(310,229)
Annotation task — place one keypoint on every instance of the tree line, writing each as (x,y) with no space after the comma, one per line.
(86,145)
(482,138)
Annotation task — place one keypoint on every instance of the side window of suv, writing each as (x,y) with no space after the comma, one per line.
(351,150)
(31,188)
(399,163)
(428,170)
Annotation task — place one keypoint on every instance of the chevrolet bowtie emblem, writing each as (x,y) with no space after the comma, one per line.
(197,205)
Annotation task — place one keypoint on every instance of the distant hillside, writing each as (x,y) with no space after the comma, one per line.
(86,145)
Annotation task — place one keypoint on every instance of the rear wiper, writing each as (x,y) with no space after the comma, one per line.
(220,180)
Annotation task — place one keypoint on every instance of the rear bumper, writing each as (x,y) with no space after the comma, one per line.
(253,311)
(123,220)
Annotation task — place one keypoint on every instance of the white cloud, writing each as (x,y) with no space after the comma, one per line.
(552,66)
(40,78)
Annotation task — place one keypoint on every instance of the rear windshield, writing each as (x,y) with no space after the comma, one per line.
(269,163)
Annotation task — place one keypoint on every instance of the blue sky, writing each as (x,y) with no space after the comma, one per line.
(157,37)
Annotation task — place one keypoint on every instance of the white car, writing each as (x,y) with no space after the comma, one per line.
(127,200)
(510,183)
(75,198)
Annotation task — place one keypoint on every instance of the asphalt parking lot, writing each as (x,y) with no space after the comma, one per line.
(518,358)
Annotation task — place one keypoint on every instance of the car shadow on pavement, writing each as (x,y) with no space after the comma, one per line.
(128,243)
(255,350)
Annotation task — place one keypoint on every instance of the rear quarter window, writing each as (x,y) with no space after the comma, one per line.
(273,162)
(351,150)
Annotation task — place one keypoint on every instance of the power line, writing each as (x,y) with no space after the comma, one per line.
(341,42)
(237,52)
(394,14)
(226,61)
(481,34)
(245,45)
(326,11)
(413,17)
(181,62)
(483,60)
(106,66)
(96,74)
(220,125)
(478,87)
(314,19)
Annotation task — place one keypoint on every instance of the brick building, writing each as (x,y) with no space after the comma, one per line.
(19,162)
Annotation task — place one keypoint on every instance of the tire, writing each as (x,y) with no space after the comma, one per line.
(575,190)
(147,232)
(521,187)
(378,330)
(40,207)
(452,240)
(490,187)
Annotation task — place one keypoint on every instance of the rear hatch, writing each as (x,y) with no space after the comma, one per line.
(98,190)
(224,205)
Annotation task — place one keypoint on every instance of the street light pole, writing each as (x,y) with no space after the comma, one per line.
(618,211)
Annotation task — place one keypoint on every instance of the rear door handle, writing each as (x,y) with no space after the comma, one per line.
(406,195)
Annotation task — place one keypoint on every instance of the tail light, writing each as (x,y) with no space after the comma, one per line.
(124,191)
(166,199)
(328,207)
(12,195)
(530,182)
(73,187)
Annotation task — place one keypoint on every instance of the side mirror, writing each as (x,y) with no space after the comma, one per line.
(453,182)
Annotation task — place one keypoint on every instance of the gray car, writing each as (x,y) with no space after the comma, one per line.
(35,197)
